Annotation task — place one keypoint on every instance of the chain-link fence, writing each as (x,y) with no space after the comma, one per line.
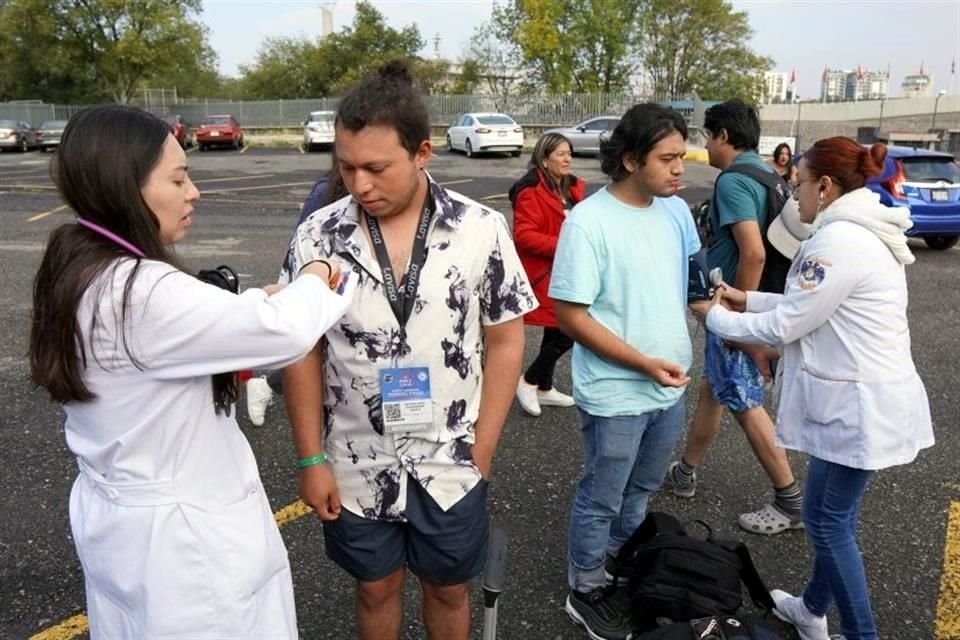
(525,109)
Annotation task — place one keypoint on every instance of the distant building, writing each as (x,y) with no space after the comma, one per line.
(846,85)
(774,86)
(326,19)
(833,85)
(919,85)
(867,85)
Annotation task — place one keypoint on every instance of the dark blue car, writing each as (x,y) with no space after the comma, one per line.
(928,184)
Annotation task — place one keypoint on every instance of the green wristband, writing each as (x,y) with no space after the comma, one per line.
(303,463)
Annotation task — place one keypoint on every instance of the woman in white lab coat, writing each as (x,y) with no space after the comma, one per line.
(168,514)
(851,397)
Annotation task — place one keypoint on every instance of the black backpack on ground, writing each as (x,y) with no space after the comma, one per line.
(712,628)
(775,267)
(679,577)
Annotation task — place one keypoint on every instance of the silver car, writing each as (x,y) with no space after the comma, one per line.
(585,136)
(48,135)
(17,134)
(318,129)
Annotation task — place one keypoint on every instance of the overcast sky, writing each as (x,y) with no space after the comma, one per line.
(804,35)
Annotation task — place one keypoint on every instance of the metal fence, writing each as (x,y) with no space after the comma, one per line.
(525,109)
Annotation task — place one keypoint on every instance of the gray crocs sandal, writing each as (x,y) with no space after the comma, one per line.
(768,521)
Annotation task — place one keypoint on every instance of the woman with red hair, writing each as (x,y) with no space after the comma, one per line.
(851,397)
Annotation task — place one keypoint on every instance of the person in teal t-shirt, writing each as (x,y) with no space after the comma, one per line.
(620,287)
(734,374)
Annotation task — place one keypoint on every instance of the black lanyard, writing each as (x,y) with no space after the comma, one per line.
(402,302)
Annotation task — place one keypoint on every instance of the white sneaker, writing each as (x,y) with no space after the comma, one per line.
(792,609)
(259,397)
(528,397)
(554,398)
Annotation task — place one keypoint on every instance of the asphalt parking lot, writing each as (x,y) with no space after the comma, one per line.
(249,203)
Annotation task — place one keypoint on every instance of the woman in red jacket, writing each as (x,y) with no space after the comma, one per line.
(541,200)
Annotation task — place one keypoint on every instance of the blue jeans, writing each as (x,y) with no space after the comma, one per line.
(624,461)
(831,506)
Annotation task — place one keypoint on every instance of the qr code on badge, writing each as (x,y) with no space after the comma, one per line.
(392,413)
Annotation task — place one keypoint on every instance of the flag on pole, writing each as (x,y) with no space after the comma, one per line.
(953,66)
(826,73)
(859,73)
(793,77)
(921,67)
(888,71)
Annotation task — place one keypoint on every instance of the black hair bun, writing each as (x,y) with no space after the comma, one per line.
(396,70)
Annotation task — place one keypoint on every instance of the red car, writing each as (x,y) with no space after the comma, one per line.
(180,130)
(219,130)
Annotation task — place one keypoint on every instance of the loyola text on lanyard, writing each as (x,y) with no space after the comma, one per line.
(405,391)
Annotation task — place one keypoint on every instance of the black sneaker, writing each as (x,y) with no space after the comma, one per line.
(615,571)
(598,614)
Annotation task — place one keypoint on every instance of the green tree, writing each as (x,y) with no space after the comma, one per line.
(280,70)
(79,50)
(342,59)
(497,61)
(468,79)
(299,67)
(700,46)
(431,76)
(572,45)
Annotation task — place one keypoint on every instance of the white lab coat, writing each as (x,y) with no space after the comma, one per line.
(851,394)
(168,514)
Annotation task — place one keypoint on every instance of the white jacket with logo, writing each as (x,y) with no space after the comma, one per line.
(851,394)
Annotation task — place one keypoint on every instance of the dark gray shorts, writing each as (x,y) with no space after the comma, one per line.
(441,547)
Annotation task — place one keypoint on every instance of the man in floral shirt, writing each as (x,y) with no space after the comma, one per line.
(397,465)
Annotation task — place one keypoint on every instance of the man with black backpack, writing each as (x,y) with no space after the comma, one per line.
(747,196)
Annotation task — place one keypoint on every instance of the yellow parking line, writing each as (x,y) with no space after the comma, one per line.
(947,624)
(291,512)
(69,628)
(78,624)
(245,147)
(47,213)
(253,177)
(266,186)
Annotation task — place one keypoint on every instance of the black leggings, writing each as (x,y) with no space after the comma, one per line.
(555,344)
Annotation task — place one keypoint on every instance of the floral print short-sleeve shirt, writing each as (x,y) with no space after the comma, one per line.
(472,278)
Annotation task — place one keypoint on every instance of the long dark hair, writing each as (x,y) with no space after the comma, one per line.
(105,156)
(546,145)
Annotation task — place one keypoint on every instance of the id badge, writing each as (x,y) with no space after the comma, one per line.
(406,401)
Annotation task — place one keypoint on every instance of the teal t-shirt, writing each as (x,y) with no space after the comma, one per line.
(736,198)
(629,266)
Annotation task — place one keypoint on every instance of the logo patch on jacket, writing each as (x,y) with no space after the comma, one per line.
(813,271)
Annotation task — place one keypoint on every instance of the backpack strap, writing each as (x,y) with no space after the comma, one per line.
(759,592)
(777,189)
(654,524)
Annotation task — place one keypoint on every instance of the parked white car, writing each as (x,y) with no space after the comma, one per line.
(585,137)
(318,129)
(485,132)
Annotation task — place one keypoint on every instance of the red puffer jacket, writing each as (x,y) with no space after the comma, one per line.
(537,218)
